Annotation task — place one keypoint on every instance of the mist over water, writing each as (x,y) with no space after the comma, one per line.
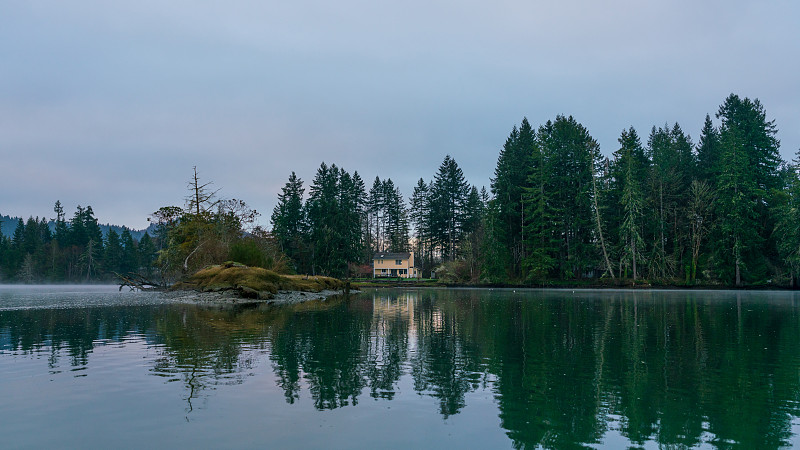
(46,296)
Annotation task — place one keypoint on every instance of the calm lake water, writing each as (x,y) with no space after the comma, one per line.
(467,368)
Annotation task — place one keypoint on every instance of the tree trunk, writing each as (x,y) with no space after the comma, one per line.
(599,228)
(633,246)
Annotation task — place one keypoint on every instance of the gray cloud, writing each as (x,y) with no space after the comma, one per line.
(112,103)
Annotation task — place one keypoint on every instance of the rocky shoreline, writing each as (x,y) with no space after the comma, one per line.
(232,297)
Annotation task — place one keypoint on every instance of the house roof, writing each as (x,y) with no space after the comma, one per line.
(388,255)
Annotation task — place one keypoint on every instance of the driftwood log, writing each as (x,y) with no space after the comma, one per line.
(137,281)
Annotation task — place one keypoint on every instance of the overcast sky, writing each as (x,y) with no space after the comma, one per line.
(110,104)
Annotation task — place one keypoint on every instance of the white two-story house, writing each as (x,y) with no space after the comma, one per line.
(387,264)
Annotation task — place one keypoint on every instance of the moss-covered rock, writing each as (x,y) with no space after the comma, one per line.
(254,282)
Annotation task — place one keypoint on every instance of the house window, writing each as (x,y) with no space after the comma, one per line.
(398,261)
(383,270)
(403,271)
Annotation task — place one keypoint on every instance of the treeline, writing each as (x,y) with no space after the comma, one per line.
(338,227)
(74,251)
(724,210)
(666,210)
(206,230)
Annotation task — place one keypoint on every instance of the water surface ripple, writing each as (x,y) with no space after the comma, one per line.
(95,367)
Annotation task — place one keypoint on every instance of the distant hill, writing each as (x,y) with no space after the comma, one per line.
(8,224)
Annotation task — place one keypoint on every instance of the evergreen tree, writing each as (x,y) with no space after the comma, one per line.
(508,186)
(147,255)
(746,185)
(474,233)
(89,258)
(561,220)
(351,197)
(5,249)
(787,228)
(420,215)
(395,218)
(322,208)
(77,227)
(448,204)
(112,258)
(362,200)
(708,156)
(699,215)
(18,239)
(538,234)
(376,206)
(665,191)
(61,232)
(631,164)
(130,254)
(288,220)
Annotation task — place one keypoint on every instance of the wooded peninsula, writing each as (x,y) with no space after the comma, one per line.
(724,211)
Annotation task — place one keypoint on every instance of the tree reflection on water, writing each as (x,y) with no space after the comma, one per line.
(565,369)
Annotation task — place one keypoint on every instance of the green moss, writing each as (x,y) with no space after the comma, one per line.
(235,276)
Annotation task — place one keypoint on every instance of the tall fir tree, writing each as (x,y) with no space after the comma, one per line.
(746,187)
(420,215)
(112,258)
(448,198)
(508,187)
(708,156)
(631,166)
(288,220)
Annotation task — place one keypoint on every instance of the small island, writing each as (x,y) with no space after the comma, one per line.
(232,282)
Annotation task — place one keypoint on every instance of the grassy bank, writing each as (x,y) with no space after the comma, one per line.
(254,282)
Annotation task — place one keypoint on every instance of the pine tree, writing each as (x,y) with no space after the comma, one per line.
(93,231)
(448,197)
(376,206)
(112,258)
(631,165)
(147,255)
(77,228)
(329,251)
(362,199)
(508,187)
(130,254)
(420,215)
(540,248)
(351,197)
(474,233)
(288,220)
(746,185)
(787,227)
(61,232)
(395,218)
(669,151)
(708,152)
(560,212)
(699,215)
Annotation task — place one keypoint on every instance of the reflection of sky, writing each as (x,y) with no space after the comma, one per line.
(135,386)
(116,399)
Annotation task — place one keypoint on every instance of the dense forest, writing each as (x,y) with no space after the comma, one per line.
(74,250)
(724,210)
(666,210)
